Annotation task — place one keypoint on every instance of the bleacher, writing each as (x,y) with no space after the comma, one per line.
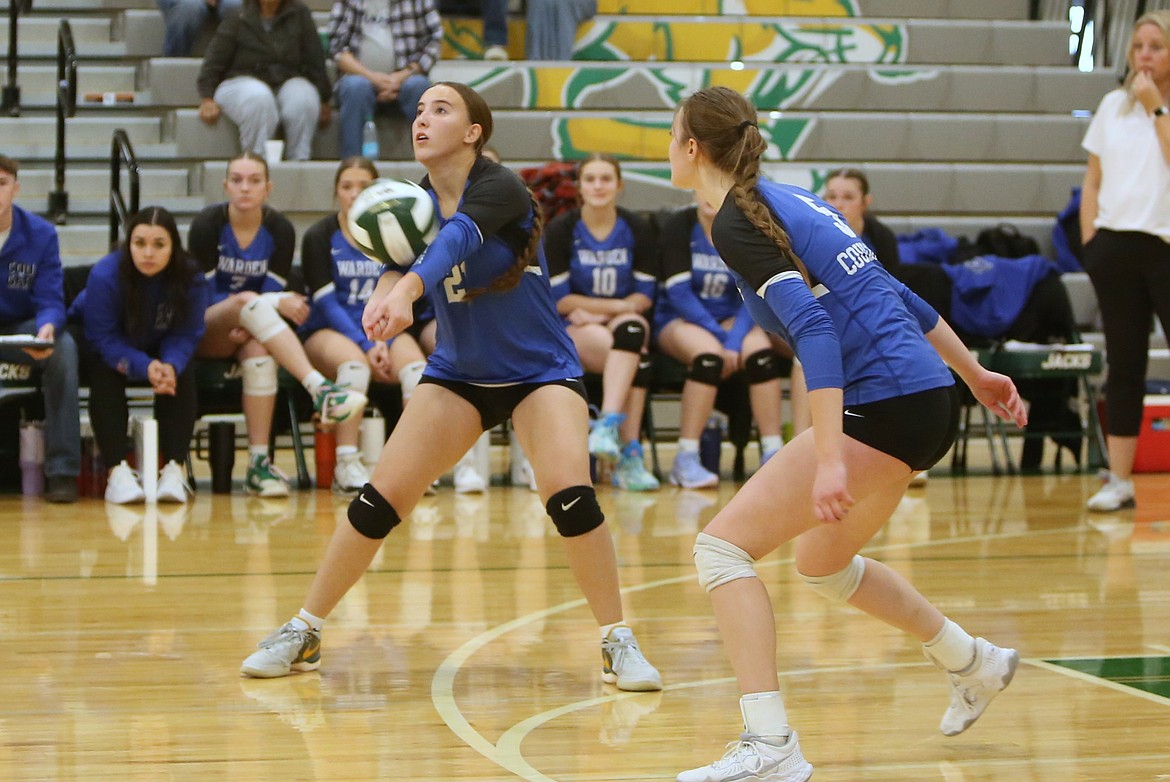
(962,114)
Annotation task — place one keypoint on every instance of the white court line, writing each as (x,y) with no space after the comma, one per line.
(508,755)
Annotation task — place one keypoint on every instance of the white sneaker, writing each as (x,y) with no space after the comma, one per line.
(123,486)
(624,665)
(919,479)
(972,692)
(292,647)
(172,485)
(753,758)
(497,53)
(349,474)
(1115,494)
(467,480)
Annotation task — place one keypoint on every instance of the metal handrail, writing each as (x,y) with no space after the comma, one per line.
(66,107)
(10,102)
(122,153)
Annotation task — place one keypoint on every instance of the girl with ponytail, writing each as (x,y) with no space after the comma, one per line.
(883,407)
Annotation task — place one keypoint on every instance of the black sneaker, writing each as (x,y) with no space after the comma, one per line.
(61,488)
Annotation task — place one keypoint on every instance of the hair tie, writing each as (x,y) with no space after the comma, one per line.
(745,125)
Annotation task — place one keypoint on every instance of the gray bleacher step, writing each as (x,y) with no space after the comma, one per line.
(39,132)
(38,83)
(100,207)
(43,30)
(94,183)
(85,241)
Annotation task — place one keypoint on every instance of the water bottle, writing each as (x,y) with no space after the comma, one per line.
(370,140)
(372,437)
(711,443)
(325,452)
(32,458)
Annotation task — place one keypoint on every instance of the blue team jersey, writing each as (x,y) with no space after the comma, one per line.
(260,267)
(876,322)
(694,273)
(612,267)
(494,338)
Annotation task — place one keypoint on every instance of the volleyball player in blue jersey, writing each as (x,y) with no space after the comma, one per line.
(501,351)
(245,248)
(883,406)
(604,276)
(341,280)
(701,320)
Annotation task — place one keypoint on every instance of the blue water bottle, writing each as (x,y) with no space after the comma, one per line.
(710,444)
(370,140)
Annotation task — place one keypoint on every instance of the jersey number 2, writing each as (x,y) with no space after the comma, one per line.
(453,285)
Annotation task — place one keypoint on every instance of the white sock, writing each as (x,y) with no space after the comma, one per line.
(258,450)
(771,442)
(764,714)
(952,648)
(343,451)
(606,629)
(310,621)
(686,445)
(313,382)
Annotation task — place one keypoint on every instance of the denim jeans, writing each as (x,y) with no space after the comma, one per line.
(357,103)
(59,389)
(495,23)
(184,19)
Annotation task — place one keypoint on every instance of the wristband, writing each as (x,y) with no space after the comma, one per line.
(1161,111)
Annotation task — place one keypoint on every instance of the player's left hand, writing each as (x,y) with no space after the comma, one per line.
(388,316)
(998,393)
(830,497)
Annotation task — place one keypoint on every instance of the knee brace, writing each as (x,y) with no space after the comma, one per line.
(720,562)
(259,376)
(642,376)
(630,336)
(761,366)
(261,319)
(840,586)
(371,515)
(354,375)
(707,368)
(575,511)
(409,376)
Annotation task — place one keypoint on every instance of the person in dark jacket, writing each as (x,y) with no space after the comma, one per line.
(142,316)
(32,301)
(264,67)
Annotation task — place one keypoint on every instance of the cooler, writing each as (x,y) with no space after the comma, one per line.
(1153,448)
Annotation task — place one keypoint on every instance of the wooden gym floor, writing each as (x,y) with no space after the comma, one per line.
(467,654)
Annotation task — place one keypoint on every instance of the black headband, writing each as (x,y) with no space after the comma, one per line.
(745,124)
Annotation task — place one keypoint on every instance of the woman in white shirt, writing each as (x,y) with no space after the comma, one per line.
(1125,225)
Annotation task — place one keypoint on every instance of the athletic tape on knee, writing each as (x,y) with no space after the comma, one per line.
(409,376)
(630,336)
(839,586)
(259,376)
(371,515)
(720,562)
(354,375)
(575,511)
(644,373)
(707,368)
(761,366)
(261,319)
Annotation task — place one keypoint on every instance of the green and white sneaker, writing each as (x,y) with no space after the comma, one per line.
(264,479)
(293,647)
(336,403)
(631,473)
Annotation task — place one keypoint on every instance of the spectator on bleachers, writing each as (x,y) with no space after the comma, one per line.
(341,279)
(245,249)
(495,23)
(263,68)
(602,267)
(32,301)
(702,322)
(552,27)
(185,19)
(142,316)
(1125,224)
(383,51)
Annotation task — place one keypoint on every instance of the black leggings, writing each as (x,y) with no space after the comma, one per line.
(1130,271)
(109,413)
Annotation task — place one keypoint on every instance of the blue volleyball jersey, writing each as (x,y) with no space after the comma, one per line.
(494,338)
(261,267)
(697,286)
(613,267)
(872,341)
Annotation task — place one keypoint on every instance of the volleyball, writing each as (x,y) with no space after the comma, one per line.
(393,221)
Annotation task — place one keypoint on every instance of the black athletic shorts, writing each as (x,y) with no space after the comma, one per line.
(496,403)
(917,429)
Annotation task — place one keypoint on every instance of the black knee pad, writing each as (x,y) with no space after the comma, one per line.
(630,336)
(371,515)
(575,511)
(762,366)
(707,368)
(642,376)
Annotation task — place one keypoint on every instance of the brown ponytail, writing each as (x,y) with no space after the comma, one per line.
(511,278)
(724,125)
